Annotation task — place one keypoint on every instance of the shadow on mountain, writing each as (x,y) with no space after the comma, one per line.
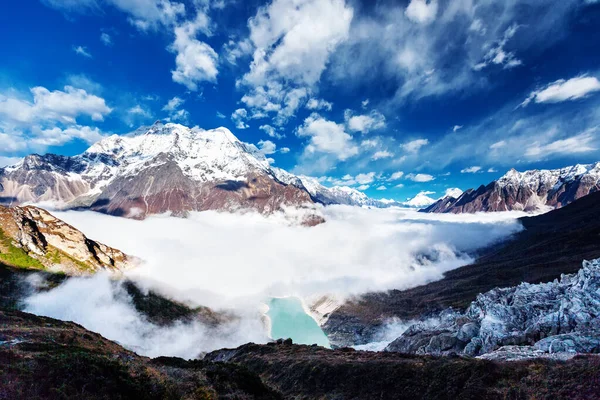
(8,200)
(232,186)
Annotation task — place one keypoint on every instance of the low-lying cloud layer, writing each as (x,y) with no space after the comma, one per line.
(230,261)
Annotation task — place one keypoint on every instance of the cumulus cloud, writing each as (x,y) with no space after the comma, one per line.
(271,131)
(60,106)
(292,41)
(415,145)
(471,170)
(196,61)
(327,137)
(365,123)
(564,90)
(420,177)
(381,155)
(422,11)
(396,176)
(318,104)
(365,178)
(175,110)
(239,117)
(382,187)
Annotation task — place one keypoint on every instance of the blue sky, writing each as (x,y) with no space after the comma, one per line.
(400,96)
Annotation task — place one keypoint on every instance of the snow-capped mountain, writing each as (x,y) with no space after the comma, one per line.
(528,191)
(332,195)
(420,200)
(165,168)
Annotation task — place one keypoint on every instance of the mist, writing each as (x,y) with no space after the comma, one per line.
(236,262)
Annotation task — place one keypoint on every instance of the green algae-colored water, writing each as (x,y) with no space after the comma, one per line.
(288,320)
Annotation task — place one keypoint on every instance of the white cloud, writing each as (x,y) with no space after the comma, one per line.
(396,175)
(82,51)
(284,150)
(176,113)
(422,11)
(420,177)
(381,155)
(221,115)
(491,170)
(498,55)
(318,104)
(196,61)
(399,186)
(415,145)
(364,179)
(292,41)
(174,104)
(471,170)
(57,136)
(365,123)
(382,187)
(581,143)
(271,131)
(365,103)
(267,147)
(62,106)
(564,90)
(327,137)
(456,128)
(106,39)
(239,117)
(363,187)
(139,111)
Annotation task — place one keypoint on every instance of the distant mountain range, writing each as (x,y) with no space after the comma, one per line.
(525,191)
(166,168)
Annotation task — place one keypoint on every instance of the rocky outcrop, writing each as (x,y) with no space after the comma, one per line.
(525,191)
(551,244)
(556,317)
(32,237)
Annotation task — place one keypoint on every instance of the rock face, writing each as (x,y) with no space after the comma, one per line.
(556,317)
(164,168)
(32,237)
(528,191)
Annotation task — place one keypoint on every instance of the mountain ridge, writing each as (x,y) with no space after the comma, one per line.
(525,191)
(167,168)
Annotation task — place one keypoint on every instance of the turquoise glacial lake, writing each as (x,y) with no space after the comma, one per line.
(288,320)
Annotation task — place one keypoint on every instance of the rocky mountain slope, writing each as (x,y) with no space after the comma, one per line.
(552,244)
(44,358)
(529,190)
(31,237)
(559,318)
(164,168)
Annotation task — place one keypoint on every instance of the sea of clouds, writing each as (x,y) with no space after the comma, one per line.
(236,261)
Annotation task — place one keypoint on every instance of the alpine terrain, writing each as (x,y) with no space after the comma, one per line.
(529,191)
